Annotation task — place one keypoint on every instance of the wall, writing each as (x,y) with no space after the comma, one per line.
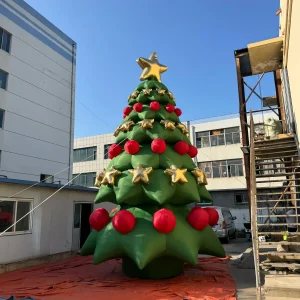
(52,222)
(289,28)
(39,101)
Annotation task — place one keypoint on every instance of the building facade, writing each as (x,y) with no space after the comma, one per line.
(37,93)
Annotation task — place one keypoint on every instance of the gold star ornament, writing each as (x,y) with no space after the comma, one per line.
(133,95)
(151,67)
(183,129)
(140,174)
(126,126)
(161,92)
(117,131)
(176,174)
(168,124)
(99,179)
(110,176)
(147,123)
(200,176)
(147,92)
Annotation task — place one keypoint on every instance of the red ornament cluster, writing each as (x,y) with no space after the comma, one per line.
(138,107)
(132,147)
(123,221)
(99,219)
(154,105)
(114,150)
(213,216)
(181,147)
(158,146)
(164,220)
(198,218)
(170,108)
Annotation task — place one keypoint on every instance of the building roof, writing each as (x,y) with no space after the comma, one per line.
(50,185)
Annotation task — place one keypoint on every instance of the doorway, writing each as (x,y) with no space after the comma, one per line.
(81,225)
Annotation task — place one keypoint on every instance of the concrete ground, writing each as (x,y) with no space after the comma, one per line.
(242,268)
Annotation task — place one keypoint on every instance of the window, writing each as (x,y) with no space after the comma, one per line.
(46,178)
(3,79)
(1,118)
(222,168)
(5,39)
(85,154)
(85,179)
(220,137)
(13,210)
(106,147)
(241,198)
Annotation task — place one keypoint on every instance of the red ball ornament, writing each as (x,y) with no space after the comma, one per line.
(127,110)
(170,108)
(213,216)
(193,151)
(181,147)
(154,105)
(114,150)
(164,220)
(178,112)
(124,116)
(138,107)
(198,218)
(158,146)
(99,218)
(132,147)
(123,221)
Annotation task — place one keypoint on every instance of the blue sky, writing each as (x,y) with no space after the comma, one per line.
(194,38)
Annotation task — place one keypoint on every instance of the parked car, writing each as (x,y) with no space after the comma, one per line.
(225,229)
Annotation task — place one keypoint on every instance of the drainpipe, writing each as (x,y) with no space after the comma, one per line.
(287,31)
(72,114)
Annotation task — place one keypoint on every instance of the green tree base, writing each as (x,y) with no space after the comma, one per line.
(160,268)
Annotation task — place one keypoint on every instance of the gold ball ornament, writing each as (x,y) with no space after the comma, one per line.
(161,92)
(200,176)
(183,129)
(168,124)
(140,174)
(147,92)
(99,178)
(177,175)
(147,123)
(151,67)
(109,176)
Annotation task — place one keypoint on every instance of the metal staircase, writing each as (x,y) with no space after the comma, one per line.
(275,183)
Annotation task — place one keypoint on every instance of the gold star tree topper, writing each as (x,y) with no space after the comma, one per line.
(140,174)
(109,176)
(151,67)
(177,175)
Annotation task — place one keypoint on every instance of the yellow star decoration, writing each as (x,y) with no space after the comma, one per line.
(147,92)
(117,131)
(151,67)
(133,95)
(99,179)
(177,175)
(183,129)
(170,94)
(126,126)
(109,176)
(200,176)
(140,174)
(168,124)
(147,123)
(161,92)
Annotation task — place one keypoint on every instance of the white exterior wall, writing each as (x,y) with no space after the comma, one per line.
(37,137)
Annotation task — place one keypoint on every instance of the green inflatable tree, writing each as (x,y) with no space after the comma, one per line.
(152,178)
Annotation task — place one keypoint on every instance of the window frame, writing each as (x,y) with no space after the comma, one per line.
(10,41)
(93,158)
(30,221)
(3,118)
(243,195)
(220,137)
(85,174)
(105,151)
(6,81)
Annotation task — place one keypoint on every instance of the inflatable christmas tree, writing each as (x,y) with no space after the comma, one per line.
(152,178)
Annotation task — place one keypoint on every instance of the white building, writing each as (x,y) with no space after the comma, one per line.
(219,154)
(37,86)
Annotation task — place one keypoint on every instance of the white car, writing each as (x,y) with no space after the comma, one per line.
(225,229)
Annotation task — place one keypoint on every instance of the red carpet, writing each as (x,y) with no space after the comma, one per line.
(77,278)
